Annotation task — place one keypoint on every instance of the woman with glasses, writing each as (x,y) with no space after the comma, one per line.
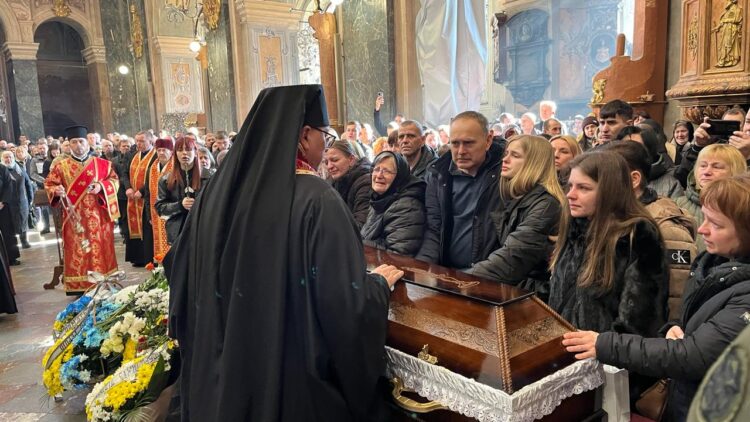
(396,221)
(350,177)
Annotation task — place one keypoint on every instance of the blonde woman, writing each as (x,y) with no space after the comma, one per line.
(714,162)
(566,148)
(532,202)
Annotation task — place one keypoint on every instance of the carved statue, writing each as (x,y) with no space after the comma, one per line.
(136,32)
(598,89)
(729,35)
(183,5)
(60,8)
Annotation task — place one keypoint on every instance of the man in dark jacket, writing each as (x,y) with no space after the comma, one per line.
(462,190)
(412,147)
(121,164)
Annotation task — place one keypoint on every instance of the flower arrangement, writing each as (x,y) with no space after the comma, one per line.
(118,338)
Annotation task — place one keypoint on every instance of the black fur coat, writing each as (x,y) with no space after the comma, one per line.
(636,304)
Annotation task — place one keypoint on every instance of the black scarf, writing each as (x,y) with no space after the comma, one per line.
(381,202)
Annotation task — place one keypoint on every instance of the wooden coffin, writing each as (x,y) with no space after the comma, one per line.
(495,334)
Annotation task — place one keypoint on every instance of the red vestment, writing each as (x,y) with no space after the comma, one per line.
(161,247)
(97,211)
(139,168)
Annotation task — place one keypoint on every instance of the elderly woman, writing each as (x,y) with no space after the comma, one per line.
(715,162)
(351,178)
(716,297)
(207,163)
(396,220)
(20,196)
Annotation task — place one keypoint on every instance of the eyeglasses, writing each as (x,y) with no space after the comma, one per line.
(328,136)
(385,171)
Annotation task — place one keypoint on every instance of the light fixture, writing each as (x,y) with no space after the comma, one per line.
(123,69)
(195,46)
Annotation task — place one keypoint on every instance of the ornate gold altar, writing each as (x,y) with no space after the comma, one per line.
(714,66)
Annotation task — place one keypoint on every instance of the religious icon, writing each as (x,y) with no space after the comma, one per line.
(601,49)
(728,35)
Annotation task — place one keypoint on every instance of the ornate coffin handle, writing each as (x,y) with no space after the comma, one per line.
(409,404)
(413,405)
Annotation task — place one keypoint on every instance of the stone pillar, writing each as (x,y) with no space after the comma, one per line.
(264,47)
(220,85)
(23,87)
(368,58)
(96,62)
(324,25)
(409,100)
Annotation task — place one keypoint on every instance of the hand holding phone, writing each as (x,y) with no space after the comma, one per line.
(722,129)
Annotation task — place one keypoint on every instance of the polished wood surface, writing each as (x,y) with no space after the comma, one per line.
(475,327)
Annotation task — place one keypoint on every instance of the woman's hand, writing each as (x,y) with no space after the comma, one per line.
(187,203)
(583,343)
(675,333)
(390,273)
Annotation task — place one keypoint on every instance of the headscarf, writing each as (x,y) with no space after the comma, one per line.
(381,202)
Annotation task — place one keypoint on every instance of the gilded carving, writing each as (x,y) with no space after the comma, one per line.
(61,9)
(729,35)
(136,32)
(692,36)
(696,113)
(212,12)
(598,89)
(719,85)
(535,334)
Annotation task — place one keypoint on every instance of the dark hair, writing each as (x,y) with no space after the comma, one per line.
(617,213)
(477,117)
(176,178)
(393,138)
(642,113)
(635,155)
(616,108)
(658,131)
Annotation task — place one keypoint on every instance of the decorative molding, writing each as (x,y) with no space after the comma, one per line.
(182,84)
(212,13)
(715,86)
(714,111)
(179,46)
(692,36)
(729,35)
(255,11)
(20,51)
(94,54)
(136,32)
(598,91)
(61,8)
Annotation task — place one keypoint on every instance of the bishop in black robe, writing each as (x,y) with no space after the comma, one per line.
(276,316)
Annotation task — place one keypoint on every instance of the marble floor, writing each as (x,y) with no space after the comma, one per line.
(25,336)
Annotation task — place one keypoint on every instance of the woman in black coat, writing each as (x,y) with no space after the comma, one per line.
(396,221)
(177,190)
(532,201)
(716,302)
(20,197)
(351,178)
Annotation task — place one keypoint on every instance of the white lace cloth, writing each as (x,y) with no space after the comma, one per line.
(484,403)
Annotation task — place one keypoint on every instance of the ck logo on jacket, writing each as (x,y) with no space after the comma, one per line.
(679,256)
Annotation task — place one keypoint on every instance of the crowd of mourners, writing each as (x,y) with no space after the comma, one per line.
(638,237)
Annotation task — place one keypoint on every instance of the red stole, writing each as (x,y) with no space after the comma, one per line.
(138,171)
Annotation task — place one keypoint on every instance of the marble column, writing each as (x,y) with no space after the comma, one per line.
(367,30)
(23,87)
(264,48)
(324,25)
(96,62)
(220,79)
(409,99)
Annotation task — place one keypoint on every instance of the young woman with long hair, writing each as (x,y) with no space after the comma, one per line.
(716,298)
(532,202)
(608,266)
(566,148)
(177,189)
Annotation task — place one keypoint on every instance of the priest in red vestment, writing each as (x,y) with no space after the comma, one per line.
(87,185)
(162,167)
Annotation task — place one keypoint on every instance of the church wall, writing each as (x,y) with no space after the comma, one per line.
(131,111)
(368,49)
(220,76)
(672,111)
(24,88)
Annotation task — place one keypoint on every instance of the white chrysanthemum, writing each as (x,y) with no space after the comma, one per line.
(84,375)
(123,296)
